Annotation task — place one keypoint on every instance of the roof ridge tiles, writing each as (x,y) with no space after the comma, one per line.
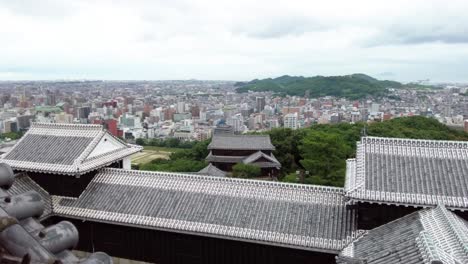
(66,126)
(410,142)
(442,231)
(241,142)
(430,232)
(321,188)
(209,228)
(388,172)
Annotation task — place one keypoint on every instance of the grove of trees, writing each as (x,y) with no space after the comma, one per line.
(166,143)
(242,170)
(183,160)
(321,150)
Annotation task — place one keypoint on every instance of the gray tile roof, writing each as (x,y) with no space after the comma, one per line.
(22,234)
(64,149)
(241,142)
(426,236)
(290,215)
(269,161)
(410,172)
(257,155)
(211,170)
(227,159)
(49,149)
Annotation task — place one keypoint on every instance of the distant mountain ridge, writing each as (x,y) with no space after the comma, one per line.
(354,86)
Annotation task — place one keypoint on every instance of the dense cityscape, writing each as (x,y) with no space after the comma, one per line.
(192,110)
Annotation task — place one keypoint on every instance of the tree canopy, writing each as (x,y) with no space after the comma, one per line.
(324,157)
(323,149)
(167,143)
(241,170)
(184,160)
(11,135)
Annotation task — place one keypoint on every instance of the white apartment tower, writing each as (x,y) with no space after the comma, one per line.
(290,121)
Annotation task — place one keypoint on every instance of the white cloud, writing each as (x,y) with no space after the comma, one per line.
(144,39)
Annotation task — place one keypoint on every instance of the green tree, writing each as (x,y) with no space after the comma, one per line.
(292,177)
(172,142)
(286,142)
(324,156)
(140,141)
(11,135)
(241,170)
(183,160)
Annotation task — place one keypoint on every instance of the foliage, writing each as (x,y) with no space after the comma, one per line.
(199,151)
(241,170)
(291,177)
(140,141)
(11,135)
(353,86)
(323,149)
(167,143)
(416,127)
(286,142)
(183,160)
(324,156)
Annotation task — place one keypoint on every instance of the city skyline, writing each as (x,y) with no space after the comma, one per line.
(157,40)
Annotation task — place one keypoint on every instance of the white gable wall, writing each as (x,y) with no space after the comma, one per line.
(127,163)
(107,144)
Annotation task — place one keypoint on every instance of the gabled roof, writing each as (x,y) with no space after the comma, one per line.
(71,149)
(409,172)
(270,160)
(288,215)
(211,170)
(241,142)
(433,235)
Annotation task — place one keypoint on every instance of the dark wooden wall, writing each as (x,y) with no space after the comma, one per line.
(374,215)
(63,185)
(223,165)
(463,214)
(66,185)
(174,248)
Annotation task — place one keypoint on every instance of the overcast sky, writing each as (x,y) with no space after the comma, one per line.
(403,40)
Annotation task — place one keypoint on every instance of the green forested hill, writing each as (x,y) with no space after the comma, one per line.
(353,86)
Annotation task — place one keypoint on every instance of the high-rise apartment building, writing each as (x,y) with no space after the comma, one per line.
(260,103)
(290,121)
